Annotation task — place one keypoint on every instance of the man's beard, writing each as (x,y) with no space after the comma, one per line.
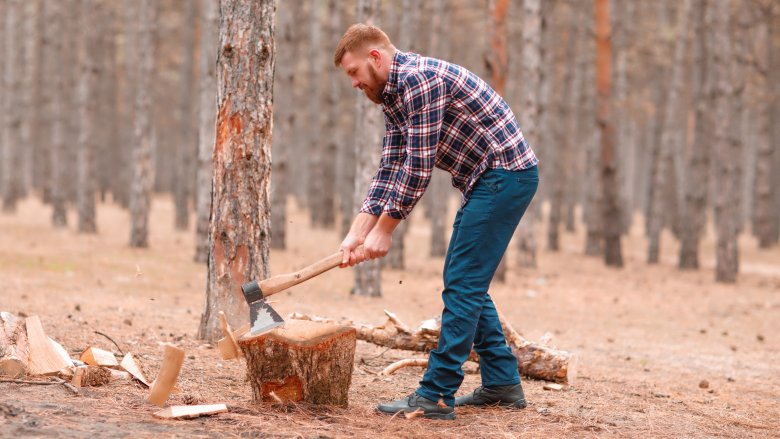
(374,95)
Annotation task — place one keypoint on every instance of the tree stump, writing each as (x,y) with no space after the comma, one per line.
(301,361)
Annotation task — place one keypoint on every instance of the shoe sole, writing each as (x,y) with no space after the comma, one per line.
(508,405)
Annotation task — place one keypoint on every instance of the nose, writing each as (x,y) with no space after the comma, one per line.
(355,83)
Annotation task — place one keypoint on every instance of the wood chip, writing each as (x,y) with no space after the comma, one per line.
(190,411)
(552,386)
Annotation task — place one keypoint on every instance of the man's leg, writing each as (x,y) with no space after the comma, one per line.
(486,226)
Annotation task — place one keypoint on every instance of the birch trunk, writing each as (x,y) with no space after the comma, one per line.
(207,113)
(368,141)
(240,220)
(143,177)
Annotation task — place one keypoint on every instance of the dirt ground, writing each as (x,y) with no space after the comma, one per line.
(646,337)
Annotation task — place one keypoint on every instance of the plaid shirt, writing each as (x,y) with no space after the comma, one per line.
(441,114)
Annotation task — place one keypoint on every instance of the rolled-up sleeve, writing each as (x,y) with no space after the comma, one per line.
(424,99)
(384,179)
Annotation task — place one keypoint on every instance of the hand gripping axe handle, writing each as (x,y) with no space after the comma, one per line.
(262,317)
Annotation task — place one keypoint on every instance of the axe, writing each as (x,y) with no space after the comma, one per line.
(262,317)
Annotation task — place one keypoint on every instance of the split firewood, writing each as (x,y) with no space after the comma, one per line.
(44,357)
(228,347)
(401,326)
(98,357)
(14,350)
(552,386)
(534,360)
(166,378)
(131,366)
(61,352)
(391,369)
(190,411)
(91,376)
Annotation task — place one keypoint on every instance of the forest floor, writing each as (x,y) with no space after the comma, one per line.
(646,336)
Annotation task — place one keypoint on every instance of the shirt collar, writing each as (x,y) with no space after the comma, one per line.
(391,87)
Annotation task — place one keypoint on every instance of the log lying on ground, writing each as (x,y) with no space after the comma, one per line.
(534,360)
(301,361)
(14,351)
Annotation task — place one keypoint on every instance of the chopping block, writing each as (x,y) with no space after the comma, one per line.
(301,361)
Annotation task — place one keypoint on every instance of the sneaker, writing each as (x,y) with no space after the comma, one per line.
(415,402)
(504,396)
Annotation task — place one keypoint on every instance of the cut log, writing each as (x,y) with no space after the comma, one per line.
(533,360)
(131,366)
(14,350)
(61,352)
(301,361)
(98,357)
(166,378)
(44,358)
(190,411)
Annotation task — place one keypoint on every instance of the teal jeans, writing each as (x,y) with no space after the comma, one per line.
(480,236)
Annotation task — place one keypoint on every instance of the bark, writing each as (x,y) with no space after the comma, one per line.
(240,221)
(108,122)
(207,113)
(727,90)
(301,362)
(610,208)
(14,350)
(91,25)
(534,360)
(284,122)
(533,28)
(774,87)
(57,150)
(39,111)
(368,141)
(763,189)
(130,63)
(185,147)
(694,213)
(315,144)
(12,126)
(670,137)
(143,177)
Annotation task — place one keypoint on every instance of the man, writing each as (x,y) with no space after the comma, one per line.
(440,114)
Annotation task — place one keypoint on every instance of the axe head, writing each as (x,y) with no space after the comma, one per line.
(262,317)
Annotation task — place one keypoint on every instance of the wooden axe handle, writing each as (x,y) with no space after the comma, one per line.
(281,282)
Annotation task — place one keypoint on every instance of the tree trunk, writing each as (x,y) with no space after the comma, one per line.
(315,143)
(240,221)
(694,213)
(57,150)
(12,133)
(368,139)
(725,146)
(670,137)
(108,122)
(763,188)
(284,124)
(610,208)
(533,28)
(143,177)
(333,135)
(185,146)
(774,86)
(131,59)
(40,111)
(91,24)
(206,124)
(301,362)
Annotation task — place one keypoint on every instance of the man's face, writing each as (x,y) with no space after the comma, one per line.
(364,75)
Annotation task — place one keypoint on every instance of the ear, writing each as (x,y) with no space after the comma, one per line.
(376,56)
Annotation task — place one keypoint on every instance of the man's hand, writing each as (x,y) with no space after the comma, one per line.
(377,243)
(352,255)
